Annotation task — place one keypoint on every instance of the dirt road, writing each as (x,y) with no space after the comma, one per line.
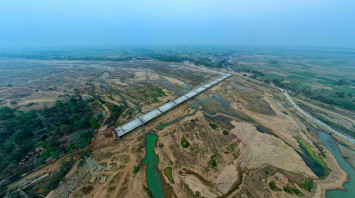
(318,122)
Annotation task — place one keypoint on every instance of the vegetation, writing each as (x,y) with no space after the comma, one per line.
(156,93)
(184,143)
(22,132)
(291,190)
(168,172)
(213,161)
(55,178)
(225,132)
(213,125)
(339,98)
(136,169)
(87,189)
(116,111)
(307,185)
(272,186)
(3,190)
(312,159)
(84,139)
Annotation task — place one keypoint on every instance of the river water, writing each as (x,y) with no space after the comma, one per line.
(349,187)
(154,178)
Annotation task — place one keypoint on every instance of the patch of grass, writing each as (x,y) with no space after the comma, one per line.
(168,172)
(318,159)
(310,151)
(184,143)
(156,93)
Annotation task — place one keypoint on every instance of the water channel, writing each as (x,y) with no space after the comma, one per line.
(154,177)
(349,187)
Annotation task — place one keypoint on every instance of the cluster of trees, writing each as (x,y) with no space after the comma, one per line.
(22,132)
(116,111)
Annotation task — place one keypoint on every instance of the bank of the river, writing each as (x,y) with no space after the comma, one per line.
(349,186)
(154,178)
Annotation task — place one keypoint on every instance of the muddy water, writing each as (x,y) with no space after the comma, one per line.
(154,178)
(349,187)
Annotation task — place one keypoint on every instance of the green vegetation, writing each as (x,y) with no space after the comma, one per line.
(272,186)
(22,132)
(213,161)
(156,93)
(307,185)
(136,169)
(184,143)
(291,190)
(315,162)
(342,98)
(3,190)
(213,125)
(55,178)
(116,111)
(225,132)
(84,139)
(168,172)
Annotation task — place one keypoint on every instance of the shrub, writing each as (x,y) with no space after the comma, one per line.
(87,189)
(213,161)
(213,126)
(307,185)
(184,143)
(135,169)
(272,186)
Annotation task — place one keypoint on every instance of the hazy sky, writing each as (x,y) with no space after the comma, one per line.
(42,23)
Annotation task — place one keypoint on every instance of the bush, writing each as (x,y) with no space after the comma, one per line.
(184,143)
(272,186)
(307,185)
(135,169)
(225,132)
(291,190)
(213,161)
(87,189)
(213,126)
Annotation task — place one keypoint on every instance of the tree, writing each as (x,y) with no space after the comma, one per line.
(94,124)
(54,155)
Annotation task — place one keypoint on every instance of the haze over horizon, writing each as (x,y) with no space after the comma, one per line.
(40,23)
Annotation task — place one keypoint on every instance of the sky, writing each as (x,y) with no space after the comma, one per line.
(60,23)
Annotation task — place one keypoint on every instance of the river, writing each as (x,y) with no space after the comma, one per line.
(349,187)
(154,178)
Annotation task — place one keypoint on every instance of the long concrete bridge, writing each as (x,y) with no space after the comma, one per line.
(142,119)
